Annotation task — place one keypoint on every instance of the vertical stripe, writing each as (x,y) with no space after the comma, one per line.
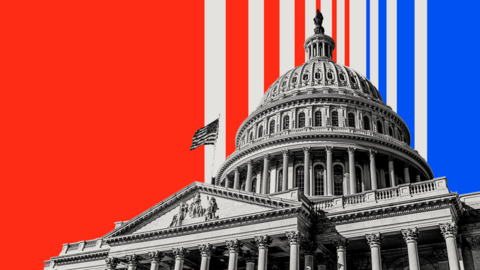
(358,36)
(299,32)
(421,77)
(334,28)
(255,54)
(287,35)
(326,9)
(347,32)
(318,5)
(382,49)
(368,40)
(340,39)
(215,39)
(374,43)
(310,12)
(392,54)
(272,42)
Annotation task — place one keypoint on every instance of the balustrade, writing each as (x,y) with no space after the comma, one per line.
(422,187)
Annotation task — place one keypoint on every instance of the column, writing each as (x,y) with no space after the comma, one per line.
(449,232)
(294,237)
(410,236)
(248,185)
(206,251)
(391,171)
(180,254)
(460,251)
(227,181)
(351,163)
(233,250)
(329,181)
(156,257)
(375,242)
(250,258)
(132,261)
(417,178)
(236,179)
(406,172)
(306,169)
(341,245)
(266,170)
(263,242)
(373,170)
(258,169)
(285,170)
(111,263)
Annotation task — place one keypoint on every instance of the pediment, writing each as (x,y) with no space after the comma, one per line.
(199,203)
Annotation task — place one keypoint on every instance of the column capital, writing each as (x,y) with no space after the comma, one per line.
(285,152)
(263,241)
(306,149)
(448,229)
(266,157)
(391,157)
(374,239)
(474,242)
(249,162)
(111,262)
(328,149)
(236,169)
(406,164)
(249,256)
(234,245)
(206,250)
(132,259)
(351,150)
(180,253)
(294,237)
(441,254)
(410,235)
(340,243)
(372,153)
(156,256)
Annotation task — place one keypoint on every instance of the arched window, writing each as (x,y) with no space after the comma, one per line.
(318,118)
(390,131)
(338,180)
(279,180)
(305,77)
(335,118)
(286,122)
(319,180)
(351,119)
(301,120)
(300,178)
(272,126)
(254,185)
(251,136)
(358,179)
(260,131)
(400,135)
(366,123)
(379,127)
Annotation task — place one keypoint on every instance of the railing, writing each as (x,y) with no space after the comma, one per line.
(323,205)
(384,194)
(354,199)
(422,187)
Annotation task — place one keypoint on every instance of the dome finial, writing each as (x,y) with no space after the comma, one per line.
(318,23)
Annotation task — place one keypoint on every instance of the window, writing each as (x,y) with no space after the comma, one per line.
(317,75)
(390,131)
(300,178)
(329,75)
(358,179)
(284,83)
(338,180)
(342,77)
(254,185)
(294,80)
(351,120)
(318,118)
(353,79)
(379,127)
(260,131)
(335,118)
(251,136)
(305,77)
(366,123)
(272,126)
(400,135)
(279,180)
(286,122)
(268,184)
(301,120)
(319,180)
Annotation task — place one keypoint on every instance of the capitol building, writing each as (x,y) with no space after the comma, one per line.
(323,178)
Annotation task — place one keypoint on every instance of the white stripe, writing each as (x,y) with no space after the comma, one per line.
(310,13)
(421,77)
(326,9)
(358,36)
(392,54)
(287,35)
(374,42)
(255,53)
(340,47)
(215,55)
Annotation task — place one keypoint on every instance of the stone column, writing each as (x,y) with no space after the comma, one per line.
(351,163)
(266,171)
(449,232)
(460,252)
(373,170)
(329,181)
(474,243)
(341,245)
(406,172)
(132,261)
(234,247)
(206,251)
(375,243)
(391,171)
(410,236)
(263,242)
(111,263)
(306,169)
(236,179)
(250,258)
(285,170)
(180,254)
(294,237)
(156,257)
(248,185)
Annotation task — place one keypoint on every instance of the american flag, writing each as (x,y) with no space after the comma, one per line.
(206,135)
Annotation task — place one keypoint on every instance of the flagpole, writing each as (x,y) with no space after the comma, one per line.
(214,150)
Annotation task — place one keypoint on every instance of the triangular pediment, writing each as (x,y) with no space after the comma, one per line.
(199,203)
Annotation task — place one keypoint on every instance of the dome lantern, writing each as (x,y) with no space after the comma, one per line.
(319,45)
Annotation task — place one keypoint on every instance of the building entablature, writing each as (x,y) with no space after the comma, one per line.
(77,258)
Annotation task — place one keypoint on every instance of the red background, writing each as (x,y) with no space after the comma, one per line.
(99,104)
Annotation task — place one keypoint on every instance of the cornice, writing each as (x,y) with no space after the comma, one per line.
(82,257)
